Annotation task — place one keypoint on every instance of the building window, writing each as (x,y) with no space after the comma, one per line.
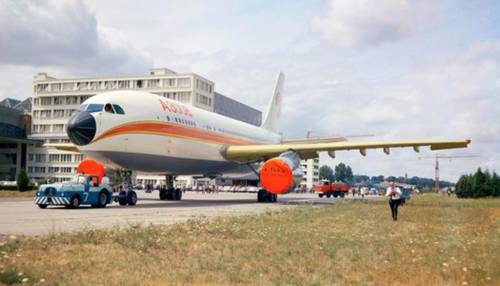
(66,170)
(78,158)
(184,82)
(68,86)
(44,128)
(42,87)
(55,87)
(58,128)
(71,99)
(65,157)
(54,158)
(153,83)
(205,100)
(58,113)
(170,82)
(69,112)
(83,98)
(184,97)
(46,101)
(53,169)
(39,169)
(58,100)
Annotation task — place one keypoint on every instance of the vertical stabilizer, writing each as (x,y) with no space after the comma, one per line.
(272,120)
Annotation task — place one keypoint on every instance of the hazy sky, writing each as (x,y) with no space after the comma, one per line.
(393,68)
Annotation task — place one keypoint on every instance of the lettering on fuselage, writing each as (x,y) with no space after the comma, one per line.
(175,108)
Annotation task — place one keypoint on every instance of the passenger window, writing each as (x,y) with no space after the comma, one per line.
(108,108)
(118,109)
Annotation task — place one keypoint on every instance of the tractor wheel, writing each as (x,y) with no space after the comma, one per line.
(102,199)
(74,202)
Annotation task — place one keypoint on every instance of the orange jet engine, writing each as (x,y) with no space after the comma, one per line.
(282,174)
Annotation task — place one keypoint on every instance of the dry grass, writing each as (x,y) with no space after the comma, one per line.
(437,241)
(17,194)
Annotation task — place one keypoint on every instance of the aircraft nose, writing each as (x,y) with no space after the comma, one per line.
(81,128)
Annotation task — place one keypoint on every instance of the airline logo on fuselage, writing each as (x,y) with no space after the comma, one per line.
(175,108)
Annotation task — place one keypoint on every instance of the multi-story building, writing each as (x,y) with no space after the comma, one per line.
(311,172)
(55,100)
(14,126)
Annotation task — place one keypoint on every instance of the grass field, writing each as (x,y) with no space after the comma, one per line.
(17,194)
(437,241)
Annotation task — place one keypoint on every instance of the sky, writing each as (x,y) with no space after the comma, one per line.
(393,69)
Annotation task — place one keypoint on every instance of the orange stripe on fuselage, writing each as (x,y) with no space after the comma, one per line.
(175,130)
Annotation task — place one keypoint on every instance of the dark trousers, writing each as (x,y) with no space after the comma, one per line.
(394,204)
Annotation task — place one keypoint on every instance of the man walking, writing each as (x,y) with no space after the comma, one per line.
(394,194)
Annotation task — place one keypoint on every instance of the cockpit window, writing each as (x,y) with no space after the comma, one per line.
(82,107)
(108,108)
(118,109)
(94,108)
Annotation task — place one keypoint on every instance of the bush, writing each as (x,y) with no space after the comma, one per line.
(23,182)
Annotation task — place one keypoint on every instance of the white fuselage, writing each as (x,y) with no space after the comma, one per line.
(159,135)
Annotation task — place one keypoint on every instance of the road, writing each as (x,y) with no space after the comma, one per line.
(22,216)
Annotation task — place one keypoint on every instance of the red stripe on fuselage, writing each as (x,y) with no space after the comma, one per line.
(168,129)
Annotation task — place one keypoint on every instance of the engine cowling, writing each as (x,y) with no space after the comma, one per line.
(281,174)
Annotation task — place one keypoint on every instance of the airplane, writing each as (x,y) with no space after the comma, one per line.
(144,132)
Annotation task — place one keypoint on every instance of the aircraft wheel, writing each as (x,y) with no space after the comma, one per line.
(274,198)
(261,194)
(178,194)
(163,194)
(131,198)
(122,198)
(42,206)
(170,194)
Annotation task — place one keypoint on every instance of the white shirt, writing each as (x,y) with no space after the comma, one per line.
(395,196)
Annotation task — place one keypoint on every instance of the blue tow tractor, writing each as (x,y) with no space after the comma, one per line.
(82,190)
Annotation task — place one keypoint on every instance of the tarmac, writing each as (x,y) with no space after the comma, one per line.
(20,216)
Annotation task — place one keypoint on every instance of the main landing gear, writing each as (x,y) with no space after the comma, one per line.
(168,192)
(264,196)
(127,195)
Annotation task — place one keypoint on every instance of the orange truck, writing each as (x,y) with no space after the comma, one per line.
(335,189)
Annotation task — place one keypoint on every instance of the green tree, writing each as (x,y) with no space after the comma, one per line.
(326,173)
(480,184)
(22,180)
(343,173)
(495,181)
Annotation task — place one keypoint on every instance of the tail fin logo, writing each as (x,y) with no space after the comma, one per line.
(278,98)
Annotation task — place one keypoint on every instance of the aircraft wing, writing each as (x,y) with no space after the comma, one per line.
(247,153)
(62,146)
